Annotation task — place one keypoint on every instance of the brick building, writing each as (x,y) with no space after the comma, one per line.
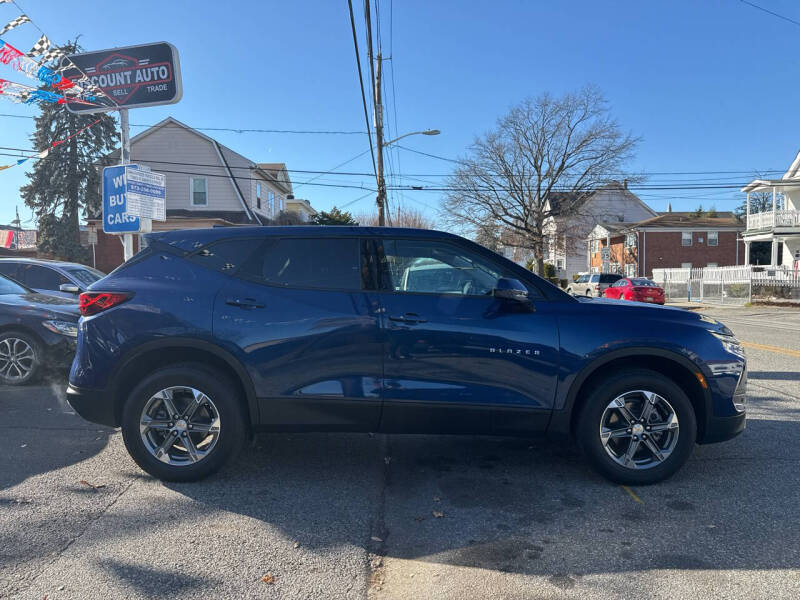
(670,240)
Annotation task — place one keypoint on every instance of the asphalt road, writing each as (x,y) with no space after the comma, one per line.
(355,516)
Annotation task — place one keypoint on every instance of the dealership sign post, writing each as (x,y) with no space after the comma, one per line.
(129,77)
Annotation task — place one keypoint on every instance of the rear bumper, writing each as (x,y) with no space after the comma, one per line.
(719,429)
(93,405)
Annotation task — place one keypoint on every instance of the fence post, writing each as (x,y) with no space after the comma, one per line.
(750,285)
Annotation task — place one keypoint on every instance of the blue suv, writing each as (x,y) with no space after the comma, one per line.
(209,335)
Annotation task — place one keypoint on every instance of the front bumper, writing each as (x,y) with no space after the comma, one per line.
(93,405)
(719,429)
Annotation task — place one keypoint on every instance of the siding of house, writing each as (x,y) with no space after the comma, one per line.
(174,144)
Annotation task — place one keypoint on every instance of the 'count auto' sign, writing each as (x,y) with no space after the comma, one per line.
(129,77)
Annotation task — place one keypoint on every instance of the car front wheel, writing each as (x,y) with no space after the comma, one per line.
(20,357)
(183,423)
(637,427)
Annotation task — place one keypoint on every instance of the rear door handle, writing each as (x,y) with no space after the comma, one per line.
(244,302)
(408,318)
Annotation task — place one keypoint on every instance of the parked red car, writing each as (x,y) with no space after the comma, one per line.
(637,289)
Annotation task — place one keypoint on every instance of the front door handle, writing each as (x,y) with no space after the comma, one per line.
(244,302)
(408,318)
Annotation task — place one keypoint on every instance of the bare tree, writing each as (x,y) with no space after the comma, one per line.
(760,201)
(402,216)
(542,161)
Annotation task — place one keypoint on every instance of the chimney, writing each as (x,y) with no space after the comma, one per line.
(669,206)
(625,183)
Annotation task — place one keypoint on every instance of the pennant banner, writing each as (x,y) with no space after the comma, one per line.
(40,47)
(15,23)
(44,153)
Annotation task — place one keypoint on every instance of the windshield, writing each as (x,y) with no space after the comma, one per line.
(85,275)
(10,287)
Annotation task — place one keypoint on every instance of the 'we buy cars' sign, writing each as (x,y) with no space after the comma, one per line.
(130,77)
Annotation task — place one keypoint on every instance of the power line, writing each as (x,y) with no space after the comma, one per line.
(229,129)
(769,12)
(361,82)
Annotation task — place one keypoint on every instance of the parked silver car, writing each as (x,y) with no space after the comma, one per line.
(592,284)
(56,278)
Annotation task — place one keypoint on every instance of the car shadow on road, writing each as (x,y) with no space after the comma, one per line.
(520,506)
(41,433)
(775,375)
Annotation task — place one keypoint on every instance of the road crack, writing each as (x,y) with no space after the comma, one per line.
(378,533)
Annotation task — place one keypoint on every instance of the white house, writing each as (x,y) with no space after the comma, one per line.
(567,236)
(780,225)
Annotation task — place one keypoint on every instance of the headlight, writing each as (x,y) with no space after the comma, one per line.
(67,328)
(730,343)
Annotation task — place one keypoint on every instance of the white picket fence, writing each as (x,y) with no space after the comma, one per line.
(729,285)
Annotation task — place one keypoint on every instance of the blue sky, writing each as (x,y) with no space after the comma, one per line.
(709,86)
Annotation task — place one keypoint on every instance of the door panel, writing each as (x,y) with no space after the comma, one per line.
(463,362)
(314,355)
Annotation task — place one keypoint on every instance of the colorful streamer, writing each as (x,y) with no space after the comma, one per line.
(26,94)
(18,61)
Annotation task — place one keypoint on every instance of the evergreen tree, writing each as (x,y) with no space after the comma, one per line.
(66,184)
(333,217)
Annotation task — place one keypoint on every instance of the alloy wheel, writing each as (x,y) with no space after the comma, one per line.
(639,429)
(17,359)
(180,425)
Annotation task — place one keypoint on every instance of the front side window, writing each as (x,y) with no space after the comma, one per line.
(324,263)
(425,266)
(595,278)
(686,238)
(199,191)
(713,238)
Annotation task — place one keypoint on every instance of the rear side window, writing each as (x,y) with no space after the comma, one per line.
(42,278)
(226,256)
(323,263)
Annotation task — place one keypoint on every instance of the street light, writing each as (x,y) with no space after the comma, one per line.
(426,132)
(381,181)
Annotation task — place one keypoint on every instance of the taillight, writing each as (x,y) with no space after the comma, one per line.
(91,303)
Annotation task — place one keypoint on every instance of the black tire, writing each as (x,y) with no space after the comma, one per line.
(36,348)
(589,421)
(219,388)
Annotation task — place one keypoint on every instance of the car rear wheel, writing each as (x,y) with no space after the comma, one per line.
(637,427)
(183,423)
(20,358)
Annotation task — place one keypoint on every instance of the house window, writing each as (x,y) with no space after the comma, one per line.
(686,238)
(559,264)
(258,196)
(595,246)
(271,202)
(199,191)
(630,240)
(686,265)
(713,238)
(630,270)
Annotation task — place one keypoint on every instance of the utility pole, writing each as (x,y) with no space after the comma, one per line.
(381,200)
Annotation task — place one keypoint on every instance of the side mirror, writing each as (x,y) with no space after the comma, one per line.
(510,289)
(70,288)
